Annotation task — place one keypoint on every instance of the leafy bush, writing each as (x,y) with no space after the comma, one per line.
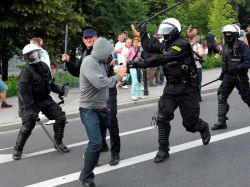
(12,86)
(211,62)
(65,77)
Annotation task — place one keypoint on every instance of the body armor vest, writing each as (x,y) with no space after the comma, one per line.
(232,57)
(41,81)
(181,70)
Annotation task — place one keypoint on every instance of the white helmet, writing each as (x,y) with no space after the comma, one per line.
(231,28)
(31,53)
(169,25)
(30,48)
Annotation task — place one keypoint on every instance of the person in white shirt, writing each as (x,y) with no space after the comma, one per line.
(44,54)
(118,49)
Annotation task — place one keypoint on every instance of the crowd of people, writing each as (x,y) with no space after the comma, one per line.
(104,67)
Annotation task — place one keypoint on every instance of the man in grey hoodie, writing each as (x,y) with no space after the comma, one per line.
(94,92)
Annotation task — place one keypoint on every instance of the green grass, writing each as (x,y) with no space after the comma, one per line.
(211,62)
(65,77)
(12,83)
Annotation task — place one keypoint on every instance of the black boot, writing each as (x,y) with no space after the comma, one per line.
(59,131)
(88,184)
(114,160)
(205,133)
(90,161)
(21,140)
(164,129)
(61,145)
(161,156)
(17,153)
(219,125)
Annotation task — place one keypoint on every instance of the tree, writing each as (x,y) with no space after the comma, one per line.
(22,19)
(197,15)
(112,17)
(221,14)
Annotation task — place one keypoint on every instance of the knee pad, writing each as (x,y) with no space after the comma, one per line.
(61,119)
(222,98)
(164,119)
(26,130)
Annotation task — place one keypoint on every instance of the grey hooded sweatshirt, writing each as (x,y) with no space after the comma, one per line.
(94,82)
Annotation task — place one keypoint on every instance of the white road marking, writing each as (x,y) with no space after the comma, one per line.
(8,157)
(137,159)
(7,148)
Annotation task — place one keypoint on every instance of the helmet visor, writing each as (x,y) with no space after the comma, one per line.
(165,29)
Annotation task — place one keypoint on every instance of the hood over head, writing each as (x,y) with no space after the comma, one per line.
(102,49)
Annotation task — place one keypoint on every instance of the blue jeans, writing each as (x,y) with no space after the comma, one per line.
(92,119)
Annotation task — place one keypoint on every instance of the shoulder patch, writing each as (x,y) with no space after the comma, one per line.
(176,48)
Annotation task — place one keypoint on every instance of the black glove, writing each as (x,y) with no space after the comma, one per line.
(143,27)
(136,64)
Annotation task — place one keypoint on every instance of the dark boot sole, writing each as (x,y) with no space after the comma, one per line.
(162,159)
(214,128)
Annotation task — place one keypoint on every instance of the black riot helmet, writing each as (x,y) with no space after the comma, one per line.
(170,28)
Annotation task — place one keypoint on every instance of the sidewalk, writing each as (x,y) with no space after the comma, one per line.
(9,117)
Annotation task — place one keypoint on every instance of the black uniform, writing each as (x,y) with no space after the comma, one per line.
(180,91)
(35,85)
(74,69)
(235,65)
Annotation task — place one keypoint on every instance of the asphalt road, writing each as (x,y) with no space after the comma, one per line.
(222,163)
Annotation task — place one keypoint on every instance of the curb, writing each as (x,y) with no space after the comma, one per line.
(75,114)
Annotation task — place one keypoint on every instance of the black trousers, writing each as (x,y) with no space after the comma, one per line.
(229,82)
(115,141)
(52,111)
(184,96)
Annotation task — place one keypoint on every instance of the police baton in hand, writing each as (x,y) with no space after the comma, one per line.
(50,137)
(157,14)
(65,45)
(210,82)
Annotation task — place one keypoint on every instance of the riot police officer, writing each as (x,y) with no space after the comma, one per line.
(35,85)
(235,65)
(175,54)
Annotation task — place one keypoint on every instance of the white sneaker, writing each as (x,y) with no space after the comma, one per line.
(141,97)
(134,98)
(125,86)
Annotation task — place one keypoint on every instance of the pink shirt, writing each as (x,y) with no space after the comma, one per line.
(133,52)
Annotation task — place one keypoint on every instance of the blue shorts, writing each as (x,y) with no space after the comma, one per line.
(3,86)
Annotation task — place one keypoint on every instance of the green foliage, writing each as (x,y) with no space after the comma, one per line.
(65,77)
(12,83)
(211,62)
(20,20)
(197,15)
(112,17)
(221,15)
